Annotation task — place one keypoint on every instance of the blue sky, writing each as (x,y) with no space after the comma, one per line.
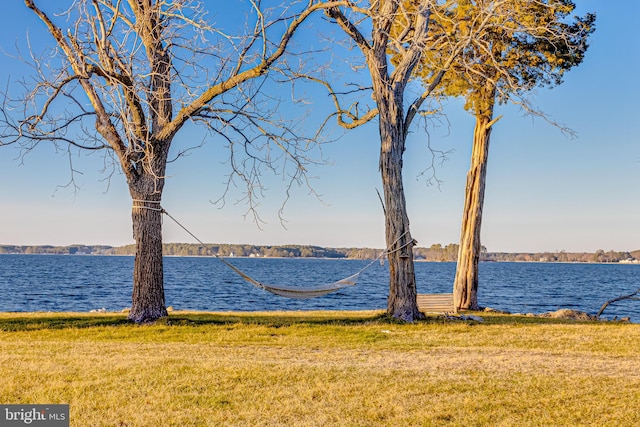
(545,192)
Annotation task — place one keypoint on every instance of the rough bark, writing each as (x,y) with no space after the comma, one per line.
(465,287)
(401,303)
(148,302)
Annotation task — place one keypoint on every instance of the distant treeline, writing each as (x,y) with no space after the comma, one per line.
(436,252)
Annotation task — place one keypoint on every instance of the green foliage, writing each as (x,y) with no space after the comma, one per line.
(523,44)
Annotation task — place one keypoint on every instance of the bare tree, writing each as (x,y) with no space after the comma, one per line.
(127,76)
(394,37)
(370,27)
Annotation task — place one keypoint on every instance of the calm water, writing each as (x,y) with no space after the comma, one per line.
(83,283)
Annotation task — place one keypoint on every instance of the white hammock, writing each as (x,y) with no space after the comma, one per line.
(288,291)
(298,292)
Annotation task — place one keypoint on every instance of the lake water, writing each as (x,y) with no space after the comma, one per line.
(84,283)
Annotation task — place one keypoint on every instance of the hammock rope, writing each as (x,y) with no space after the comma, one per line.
(293,292)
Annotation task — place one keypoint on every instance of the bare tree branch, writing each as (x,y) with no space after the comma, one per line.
(631,296)
(237,79)
(126,76)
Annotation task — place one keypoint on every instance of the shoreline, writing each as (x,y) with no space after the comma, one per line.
(623,262)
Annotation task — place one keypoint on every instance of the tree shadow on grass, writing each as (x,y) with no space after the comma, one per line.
(13,322)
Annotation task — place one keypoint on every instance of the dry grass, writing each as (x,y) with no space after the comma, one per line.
(322,368)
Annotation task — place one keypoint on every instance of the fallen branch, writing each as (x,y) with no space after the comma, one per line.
(631,296)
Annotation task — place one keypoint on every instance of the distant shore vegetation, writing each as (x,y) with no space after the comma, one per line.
(434,253)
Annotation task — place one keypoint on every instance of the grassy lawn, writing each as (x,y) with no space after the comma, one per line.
(322,369)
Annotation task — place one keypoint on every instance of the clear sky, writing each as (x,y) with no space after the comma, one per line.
(545,192)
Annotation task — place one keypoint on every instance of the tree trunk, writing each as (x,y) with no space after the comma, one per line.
(465,287)
(148,302)
(402,281)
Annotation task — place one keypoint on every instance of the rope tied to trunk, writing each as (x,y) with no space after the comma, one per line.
(156,208)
